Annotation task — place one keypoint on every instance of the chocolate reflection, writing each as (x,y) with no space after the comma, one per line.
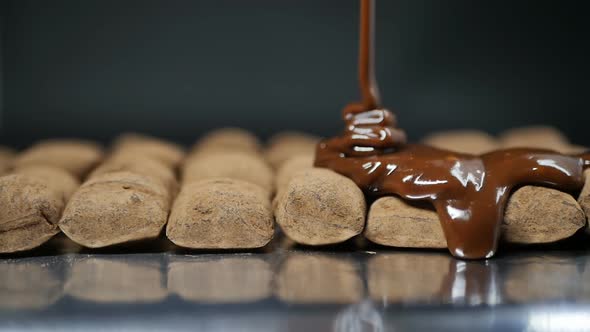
(29,283)
(431,278)
(471,283)
(318,278)
(548,278)
(117,279)
(234,278)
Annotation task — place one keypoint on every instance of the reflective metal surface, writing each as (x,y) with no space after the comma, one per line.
(352,287)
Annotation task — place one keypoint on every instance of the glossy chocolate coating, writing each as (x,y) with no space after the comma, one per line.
(468,192)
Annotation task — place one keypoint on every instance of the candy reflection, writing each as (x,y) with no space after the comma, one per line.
(548,278)
(406,277)
(29,283)
(217,278)
(318,278)
(114,279)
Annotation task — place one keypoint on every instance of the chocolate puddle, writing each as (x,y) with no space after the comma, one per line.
(468,192)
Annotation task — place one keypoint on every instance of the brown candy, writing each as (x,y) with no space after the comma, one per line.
(464,141)
(75,156)
(128,197)
(228,139)
(533,215)
(115,208)
(394,222)
(284,146)
(541,215)
(232,164)
(29,212)
(576,149)
(290,167)
(543,137)
(138,164)
(142,145)
(55,178)
(320,207)
(221,213)
(6,159)
(584,198)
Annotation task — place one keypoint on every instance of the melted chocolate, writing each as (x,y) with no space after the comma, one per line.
(468,192)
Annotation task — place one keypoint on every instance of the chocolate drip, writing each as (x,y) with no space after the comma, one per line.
(468,192)
(369,89)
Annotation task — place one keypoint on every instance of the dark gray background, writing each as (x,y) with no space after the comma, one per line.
(177,68)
